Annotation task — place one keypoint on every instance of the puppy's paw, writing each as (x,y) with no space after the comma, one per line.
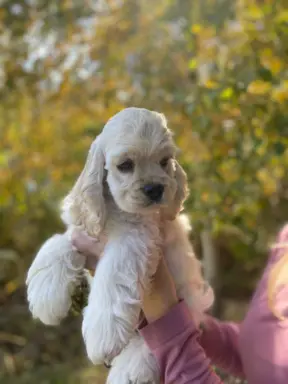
(52,278)
(135,365)
(105,334)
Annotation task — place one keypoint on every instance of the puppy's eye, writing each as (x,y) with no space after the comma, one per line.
(164,162)
(126,166)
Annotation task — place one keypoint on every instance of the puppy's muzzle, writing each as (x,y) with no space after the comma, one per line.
(154,192)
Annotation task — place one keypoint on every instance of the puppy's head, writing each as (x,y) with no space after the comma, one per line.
(136,154)
(143,175)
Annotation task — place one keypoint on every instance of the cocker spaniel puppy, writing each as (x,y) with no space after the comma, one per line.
(129,196)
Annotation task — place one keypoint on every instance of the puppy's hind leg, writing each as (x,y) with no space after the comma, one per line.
(51,279)
(134,365)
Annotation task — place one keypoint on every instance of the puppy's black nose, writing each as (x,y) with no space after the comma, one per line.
(154,192)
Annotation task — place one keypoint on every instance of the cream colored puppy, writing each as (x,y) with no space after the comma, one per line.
(128,196)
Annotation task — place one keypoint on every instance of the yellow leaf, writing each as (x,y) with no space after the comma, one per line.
(193,64)
(259,88)
(11,286)
(267,52)
(211,84)
(255,12)
(196,28)
(280,94)
(269,185)
(227,93)
(270,188)
(274,64)
(283,16)
(259,132)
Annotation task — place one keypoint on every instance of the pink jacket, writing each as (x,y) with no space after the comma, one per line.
(257,349)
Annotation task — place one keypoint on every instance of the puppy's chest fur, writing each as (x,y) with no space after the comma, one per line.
(143,233)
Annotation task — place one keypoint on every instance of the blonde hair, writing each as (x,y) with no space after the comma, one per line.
(278,276)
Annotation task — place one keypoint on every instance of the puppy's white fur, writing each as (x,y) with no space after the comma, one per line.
(52,278)
(110,205)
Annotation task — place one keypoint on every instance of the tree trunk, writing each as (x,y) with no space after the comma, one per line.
(211,267)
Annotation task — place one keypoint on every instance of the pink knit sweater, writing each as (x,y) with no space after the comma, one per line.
(257,349)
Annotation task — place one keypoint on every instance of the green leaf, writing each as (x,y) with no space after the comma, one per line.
(193,64)
(227,93)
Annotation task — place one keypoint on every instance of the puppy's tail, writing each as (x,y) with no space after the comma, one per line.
(52,278)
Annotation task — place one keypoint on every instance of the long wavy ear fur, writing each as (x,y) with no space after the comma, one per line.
(181,194)
(85,206)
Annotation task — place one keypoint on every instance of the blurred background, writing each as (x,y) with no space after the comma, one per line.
(218,69)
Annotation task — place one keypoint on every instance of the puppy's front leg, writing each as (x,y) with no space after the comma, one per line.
(113,307)
(52,277)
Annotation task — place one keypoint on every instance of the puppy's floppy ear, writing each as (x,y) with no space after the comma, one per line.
(85,205)
(162,118)
(181,194)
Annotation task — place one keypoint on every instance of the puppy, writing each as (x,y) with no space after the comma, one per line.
(129,196)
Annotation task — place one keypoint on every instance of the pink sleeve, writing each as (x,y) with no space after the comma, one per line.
(174,341)
(220,341)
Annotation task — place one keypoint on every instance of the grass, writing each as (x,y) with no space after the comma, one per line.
(57,374)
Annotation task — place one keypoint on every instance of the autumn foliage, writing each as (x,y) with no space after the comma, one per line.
(218,69)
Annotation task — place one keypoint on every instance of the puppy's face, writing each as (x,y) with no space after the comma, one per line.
(140,165)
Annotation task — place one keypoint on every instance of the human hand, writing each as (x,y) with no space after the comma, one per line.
(90,247)
(161,296)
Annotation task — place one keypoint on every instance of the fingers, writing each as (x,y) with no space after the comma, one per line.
(88,246)
(91,262)
(162,276)
(84,244)
(162,294)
